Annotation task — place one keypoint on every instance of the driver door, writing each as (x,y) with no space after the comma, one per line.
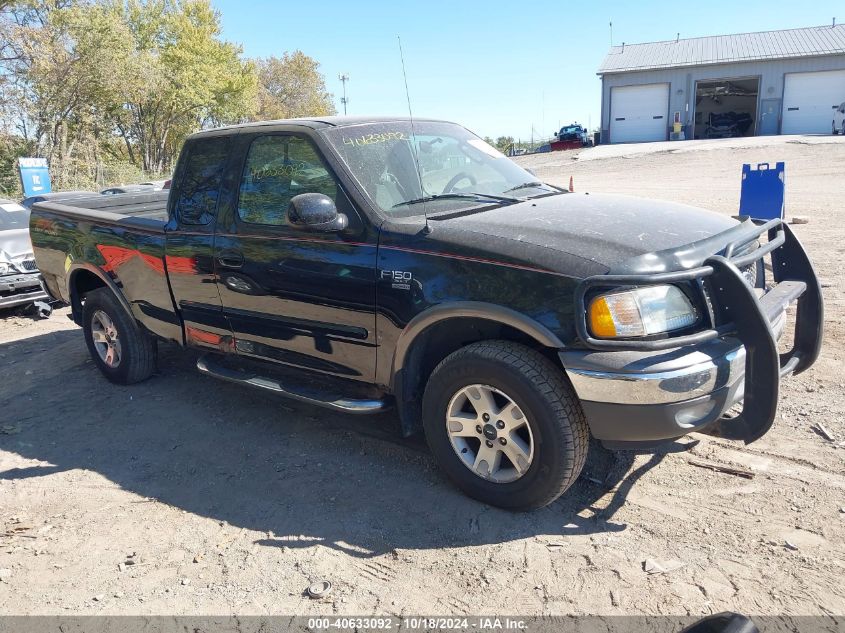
(298,297)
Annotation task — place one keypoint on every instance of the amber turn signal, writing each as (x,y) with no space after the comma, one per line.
(601,320)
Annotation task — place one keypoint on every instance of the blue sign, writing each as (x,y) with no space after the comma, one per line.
(35,176)
(763,193)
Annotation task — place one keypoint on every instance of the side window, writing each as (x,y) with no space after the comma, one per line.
(200,185)
(277,169)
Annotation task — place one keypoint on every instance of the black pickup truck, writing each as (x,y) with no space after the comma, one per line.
(360,264)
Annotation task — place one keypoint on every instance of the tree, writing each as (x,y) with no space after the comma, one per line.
(11,147)
(291,86)
(504,143)
(177,76)
(114,86)
(144,72)
(43,81)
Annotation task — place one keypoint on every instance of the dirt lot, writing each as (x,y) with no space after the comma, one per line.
(187,495)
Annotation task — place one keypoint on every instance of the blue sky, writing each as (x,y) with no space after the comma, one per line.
(496,67)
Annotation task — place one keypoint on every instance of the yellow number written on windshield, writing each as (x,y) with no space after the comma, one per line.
(374,139)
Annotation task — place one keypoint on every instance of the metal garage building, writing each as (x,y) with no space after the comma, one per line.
(749,84)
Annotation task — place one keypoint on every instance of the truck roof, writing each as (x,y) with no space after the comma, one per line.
(315,122)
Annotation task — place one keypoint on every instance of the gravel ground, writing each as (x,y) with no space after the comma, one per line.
(186,495)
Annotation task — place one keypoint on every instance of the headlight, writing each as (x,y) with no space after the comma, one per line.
(640,312)
(5,268)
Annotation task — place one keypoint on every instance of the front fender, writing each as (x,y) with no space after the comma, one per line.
(404,376)
(471,310)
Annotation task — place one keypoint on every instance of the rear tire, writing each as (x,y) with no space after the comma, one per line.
(550,437)
(122,351)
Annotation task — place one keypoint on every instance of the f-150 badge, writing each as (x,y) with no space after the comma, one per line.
(400,279)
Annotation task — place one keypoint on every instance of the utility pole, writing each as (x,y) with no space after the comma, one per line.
(344,78)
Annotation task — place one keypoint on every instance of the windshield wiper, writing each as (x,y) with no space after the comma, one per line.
(526,185)
(457,196)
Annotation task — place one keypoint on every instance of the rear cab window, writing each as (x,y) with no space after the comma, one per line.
(199,186)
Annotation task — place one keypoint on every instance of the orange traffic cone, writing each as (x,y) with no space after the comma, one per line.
(571,188)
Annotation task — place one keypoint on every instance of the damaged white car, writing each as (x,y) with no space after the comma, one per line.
(20,281)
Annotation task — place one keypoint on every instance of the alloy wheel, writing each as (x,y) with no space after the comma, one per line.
(490,433)
(106,339)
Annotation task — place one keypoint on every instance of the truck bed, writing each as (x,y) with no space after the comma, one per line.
(117,240)
(149,206)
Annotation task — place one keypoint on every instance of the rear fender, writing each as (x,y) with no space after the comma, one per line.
(108,282)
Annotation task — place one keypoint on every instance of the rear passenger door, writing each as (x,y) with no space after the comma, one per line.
(199,186)
(303,298)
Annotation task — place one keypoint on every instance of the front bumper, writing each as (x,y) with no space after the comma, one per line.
(639,393)
(20,289)
(636,398)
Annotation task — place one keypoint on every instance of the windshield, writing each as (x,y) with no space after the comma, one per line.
(456,168)
(13,216)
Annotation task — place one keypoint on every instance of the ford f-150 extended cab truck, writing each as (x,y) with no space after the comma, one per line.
(360,264)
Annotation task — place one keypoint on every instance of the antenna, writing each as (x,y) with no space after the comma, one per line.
(611,34)
(413,133)
(344,78)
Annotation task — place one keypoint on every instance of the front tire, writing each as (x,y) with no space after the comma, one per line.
(504,424)
(123,352)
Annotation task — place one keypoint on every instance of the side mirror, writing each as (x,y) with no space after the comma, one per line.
(531,171)
(315,212)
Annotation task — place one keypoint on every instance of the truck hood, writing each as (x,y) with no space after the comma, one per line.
(606,230)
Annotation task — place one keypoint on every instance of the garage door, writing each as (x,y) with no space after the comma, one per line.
(638,113)
(809,100)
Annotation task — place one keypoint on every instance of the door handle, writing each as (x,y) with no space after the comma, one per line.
(230,258)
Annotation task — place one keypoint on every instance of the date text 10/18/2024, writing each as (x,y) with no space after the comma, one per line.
(420,623)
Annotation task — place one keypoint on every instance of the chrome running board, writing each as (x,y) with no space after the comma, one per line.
(297,392)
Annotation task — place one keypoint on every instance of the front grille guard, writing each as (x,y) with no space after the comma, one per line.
(739,313)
